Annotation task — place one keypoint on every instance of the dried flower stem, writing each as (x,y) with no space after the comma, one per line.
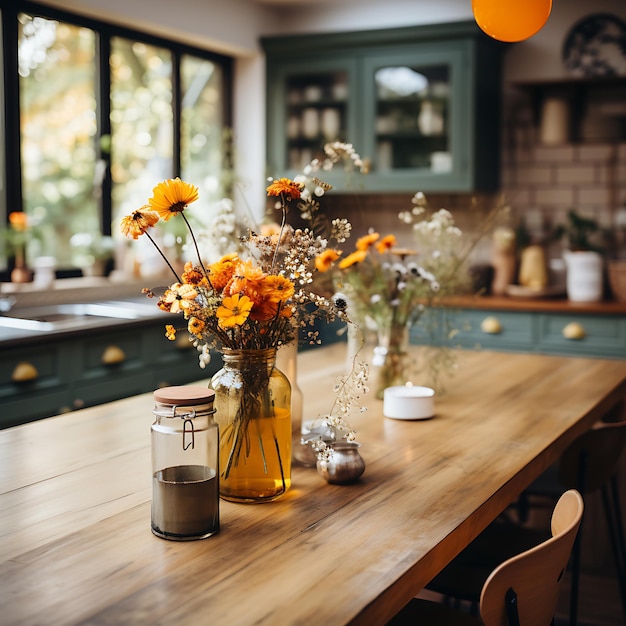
(154,243)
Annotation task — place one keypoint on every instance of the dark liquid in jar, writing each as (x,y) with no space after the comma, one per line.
(185,502)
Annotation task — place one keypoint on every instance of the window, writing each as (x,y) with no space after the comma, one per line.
(97,115)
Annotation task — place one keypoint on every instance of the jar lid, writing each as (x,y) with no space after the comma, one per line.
(184,395)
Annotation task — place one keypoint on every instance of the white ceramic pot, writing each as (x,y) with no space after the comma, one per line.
(584,276)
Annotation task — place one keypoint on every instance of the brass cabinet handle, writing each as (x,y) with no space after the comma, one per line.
(491,326)
(113,355)
(24,371)
(574,330)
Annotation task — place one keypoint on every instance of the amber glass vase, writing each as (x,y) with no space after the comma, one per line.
(253,411)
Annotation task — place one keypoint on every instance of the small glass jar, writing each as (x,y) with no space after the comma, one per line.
(185,464)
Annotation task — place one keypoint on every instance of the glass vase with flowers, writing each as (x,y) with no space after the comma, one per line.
(246,305)
(391,287)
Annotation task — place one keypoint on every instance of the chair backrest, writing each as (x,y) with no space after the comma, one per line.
(592,458)
(529,582)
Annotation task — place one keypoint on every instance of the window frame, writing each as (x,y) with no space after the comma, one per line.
(104,32)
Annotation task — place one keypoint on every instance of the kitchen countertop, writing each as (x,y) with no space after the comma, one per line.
(536,305)
(80,290)
(99,289)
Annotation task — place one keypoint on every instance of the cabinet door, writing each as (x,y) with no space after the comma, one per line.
(600,336)
(310,102)
(34,383)
(419,113)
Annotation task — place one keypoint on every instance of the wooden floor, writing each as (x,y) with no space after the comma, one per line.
(599,602)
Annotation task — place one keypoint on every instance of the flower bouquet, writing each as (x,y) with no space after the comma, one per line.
(245,306)
(390,288)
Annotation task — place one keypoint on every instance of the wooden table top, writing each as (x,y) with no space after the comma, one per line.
(75,491)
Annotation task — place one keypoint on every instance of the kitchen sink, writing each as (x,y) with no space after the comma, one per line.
(72,316)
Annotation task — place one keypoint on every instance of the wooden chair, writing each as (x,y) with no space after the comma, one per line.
(521,591)
(589,464)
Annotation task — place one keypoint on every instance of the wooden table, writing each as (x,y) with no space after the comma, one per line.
(75,490)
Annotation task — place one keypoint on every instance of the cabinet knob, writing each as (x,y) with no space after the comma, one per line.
(491,326)
(24,371)
(113,355)
(574,330)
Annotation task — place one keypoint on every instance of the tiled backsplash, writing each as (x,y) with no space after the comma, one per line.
(543,182)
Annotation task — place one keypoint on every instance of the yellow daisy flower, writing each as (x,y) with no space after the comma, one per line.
(277,288)
(138,222)
(324,261)
(366,242)
(171,197)
(386,243)
(180,297)
(234,311)
(352,259)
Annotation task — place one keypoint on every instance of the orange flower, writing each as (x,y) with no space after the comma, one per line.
(277,288)
(221,272)
(234,311)
(352,259)
(138,222)
(171,197)
(246,279)
(195,326)
(18,221)
(193,275)
(285,187)
(170,332)
(324,261)
(367,241)
(264,310)
(386,243)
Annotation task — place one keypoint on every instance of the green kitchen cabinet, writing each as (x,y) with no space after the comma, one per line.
(571,333)
(72,371)
(422,104)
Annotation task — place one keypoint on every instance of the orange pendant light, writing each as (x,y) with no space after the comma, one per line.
(511,20)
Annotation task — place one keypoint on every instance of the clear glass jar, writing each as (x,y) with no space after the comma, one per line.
(185,458)
(253,410)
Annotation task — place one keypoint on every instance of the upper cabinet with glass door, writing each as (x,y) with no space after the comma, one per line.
(312,102)
(421,103)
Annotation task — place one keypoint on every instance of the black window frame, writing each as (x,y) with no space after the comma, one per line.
(104,32)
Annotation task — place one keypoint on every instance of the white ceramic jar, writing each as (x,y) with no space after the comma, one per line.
(584,276)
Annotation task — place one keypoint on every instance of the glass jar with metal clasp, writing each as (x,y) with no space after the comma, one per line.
(185,464)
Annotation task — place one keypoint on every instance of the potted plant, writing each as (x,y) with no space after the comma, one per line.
(582,258)
(20,230)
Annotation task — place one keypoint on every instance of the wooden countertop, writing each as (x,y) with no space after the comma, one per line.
(544,305)
(75,491)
